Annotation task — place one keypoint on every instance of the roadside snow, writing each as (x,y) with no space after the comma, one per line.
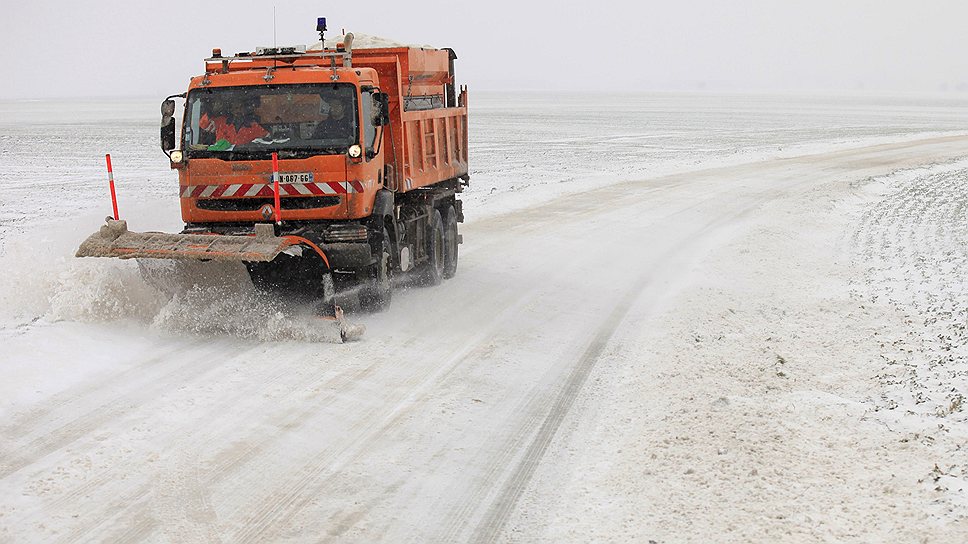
(912,245)
(808,388)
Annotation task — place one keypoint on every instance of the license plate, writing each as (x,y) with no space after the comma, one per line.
(295,177)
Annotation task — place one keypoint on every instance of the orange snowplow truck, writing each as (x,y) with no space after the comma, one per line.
(371,149)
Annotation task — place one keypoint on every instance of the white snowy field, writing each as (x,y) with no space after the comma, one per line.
(678,318)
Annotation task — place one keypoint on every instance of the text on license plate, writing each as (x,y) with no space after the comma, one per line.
(295,177)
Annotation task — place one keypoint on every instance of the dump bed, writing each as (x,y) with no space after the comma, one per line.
(427,139)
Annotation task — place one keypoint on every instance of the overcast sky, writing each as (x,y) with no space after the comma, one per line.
(150,48)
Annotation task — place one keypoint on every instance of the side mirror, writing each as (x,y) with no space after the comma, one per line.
(168,125)
(168,135)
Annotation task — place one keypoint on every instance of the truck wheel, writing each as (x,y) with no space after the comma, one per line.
(433,270)
(450,242)
(376,293)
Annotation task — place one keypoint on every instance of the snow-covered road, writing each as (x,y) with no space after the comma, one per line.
(560,388)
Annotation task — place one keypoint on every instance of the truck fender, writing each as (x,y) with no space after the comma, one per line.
(383,218)
(383,208)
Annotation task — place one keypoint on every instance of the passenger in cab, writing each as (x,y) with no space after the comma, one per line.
(336,124)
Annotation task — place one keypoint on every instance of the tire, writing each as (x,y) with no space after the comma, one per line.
(378,288)
(433,269)
(450,243)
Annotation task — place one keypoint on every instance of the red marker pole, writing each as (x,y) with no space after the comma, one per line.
(114,197)
(275,185)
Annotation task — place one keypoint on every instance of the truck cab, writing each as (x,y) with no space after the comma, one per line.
(324,131)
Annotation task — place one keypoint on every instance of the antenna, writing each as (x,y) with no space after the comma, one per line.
(274,26)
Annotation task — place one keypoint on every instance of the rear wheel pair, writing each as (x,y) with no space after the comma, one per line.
(441,248)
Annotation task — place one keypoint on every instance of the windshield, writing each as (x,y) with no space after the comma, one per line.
(252,122)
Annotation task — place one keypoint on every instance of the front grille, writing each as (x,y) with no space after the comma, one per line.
(253,204)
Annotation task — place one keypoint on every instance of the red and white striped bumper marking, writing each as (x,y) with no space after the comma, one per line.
(265,189)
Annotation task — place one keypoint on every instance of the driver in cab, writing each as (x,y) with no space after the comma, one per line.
(235,126)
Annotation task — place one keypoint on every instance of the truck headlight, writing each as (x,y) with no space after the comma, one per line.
(355,151)
(176,156)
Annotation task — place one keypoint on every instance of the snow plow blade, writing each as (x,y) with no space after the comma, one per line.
(115,240)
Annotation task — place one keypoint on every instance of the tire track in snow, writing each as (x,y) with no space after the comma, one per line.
(23,422)
(294,497)
(77,427)
(126,507)
(500,508)
(178,477)
(536,405)
(185,492)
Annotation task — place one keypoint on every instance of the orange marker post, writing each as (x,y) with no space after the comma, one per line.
(114,197)
(275,184)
